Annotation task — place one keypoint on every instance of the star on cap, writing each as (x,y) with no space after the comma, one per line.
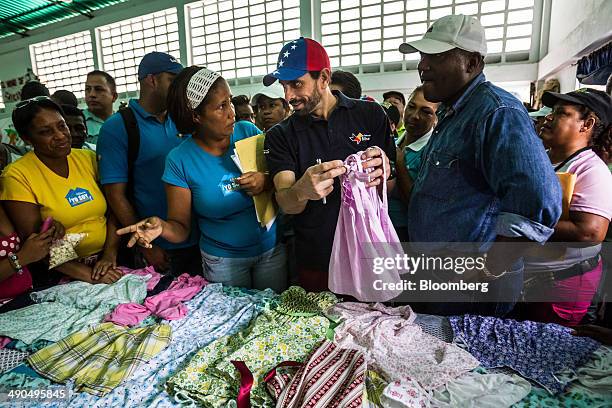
(293,47)
(275,72)
(280,63)
(286,54)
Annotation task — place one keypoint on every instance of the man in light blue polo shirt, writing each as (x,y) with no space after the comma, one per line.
(146,197)
(100,94)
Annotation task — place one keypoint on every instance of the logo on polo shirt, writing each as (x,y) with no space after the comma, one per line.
(360,137)
(78,196)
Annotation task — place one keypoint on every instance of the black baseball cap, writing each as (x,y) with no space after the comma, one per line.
(392,112)
(397,94)
(597,101)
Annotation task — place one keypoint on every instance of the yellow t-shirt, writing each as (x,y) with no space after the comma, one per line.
(77,201)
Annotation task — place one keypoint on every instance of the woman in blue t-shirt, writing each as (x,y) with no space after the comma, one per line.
(201,178)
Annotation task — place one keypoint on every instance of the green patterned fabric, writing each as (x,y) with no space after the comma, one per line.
(375,385)
(288,333)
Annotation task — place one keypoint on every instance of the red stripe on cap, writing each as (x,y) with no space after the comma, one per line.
(316,56)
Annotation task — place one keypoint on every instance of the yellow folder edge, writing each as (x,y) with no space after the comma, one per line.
(251,154)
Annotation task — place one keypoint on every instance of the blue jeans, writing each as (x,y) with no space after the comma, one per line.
(268,270)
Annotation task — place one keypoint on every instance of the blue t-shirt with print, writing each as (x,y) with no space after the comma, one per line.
(226,215)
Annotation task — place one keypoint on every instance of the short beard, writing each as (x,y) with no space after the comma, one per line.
(311,105)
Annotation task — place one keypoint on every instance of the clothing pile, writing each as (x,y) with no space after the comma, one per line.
(208,345)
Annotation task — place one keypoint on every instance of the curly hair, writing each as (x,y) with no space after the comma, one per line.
(601,136)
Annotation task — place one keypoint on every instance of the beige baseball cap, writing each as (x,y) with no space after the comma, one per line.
(448,32)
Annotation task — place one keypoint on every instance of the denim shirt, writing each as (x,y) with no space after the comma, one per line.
(484,173)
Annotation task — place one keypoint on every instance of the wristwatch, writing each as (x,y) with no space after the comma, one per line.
(14,261)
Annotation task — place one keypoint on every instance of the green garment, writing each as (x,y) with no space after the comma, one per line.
(288,332)
(94,124)
(65,309)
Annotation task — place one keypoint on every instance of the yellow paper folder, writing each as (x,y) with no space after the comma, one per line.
(251,154)
(567,181)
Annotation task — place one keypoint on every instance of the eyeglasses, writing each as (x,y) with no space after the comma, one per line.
(27,102)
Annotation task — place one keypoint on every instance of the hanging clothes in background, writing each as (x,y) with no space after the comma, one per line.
(537,351)
(65,309)
(99,358)
(288,333)
(167,305)
(595,68)
(364,232)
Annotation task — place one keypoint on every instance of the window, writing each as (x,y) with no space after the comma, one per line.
(123,44)
(362,32)
(240,38)
(63,63)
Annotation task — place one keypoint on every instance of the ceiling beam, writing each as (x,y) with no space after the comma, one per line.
(15,27)
(72,7)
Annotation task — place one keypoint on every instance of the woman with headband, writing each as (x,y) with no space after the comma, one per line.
(202,179)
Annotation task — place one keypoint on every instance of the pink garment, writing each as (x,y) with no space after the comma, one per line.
(396,347)
(128,314)
(149,270)
(593,189)
(364,233)
(4,341)
(17,283)
(581,289)
(167,304)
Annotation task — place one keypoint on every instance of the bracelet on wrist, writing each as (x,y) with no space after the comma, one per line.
(15,264)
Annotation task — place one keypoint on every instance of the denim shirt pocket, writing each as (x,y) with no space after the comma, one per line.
(441,176)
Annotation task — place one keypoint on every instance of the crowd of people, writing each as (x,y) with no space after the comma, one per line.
(155,183)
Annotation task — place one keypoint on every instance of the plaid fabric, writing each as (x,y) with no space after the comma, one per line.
(99,358)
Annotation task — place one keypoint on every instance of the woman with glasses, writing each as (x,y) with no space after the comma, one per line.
(54,180)
(578,134)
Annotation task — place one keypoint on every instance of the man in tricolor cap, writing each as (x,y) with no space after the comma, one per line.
(326,126)
(485,176)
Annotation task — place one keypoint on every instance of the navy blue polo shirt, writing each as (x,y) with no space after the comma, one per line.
(156,141)
(296,143)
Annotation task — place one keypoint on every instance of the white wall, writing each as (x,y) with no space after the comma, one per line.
(577,27)
(574,25)
(15,57)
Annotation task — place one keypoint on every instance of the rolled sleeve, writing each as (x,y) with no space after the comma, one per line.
(516,226)
(520,174)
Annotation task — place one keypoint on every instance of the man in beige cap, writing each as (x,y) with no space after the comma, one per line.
(484,176)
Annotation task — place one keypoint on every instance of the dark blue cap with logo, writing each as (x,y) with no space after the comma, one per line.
(157,62)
